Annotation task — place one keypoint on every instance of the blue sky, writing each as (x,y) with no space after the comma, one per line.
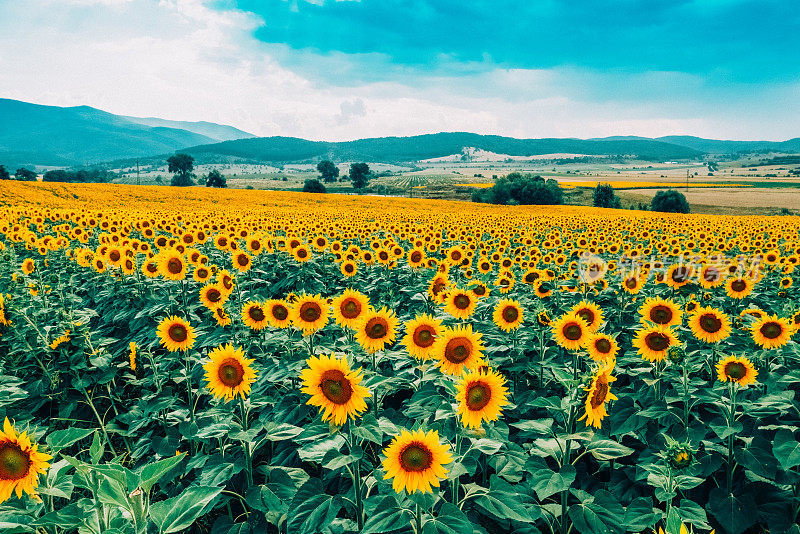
(326,69)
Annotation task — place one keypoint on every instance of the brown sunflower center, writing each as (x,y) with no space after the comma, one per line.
(771,330)
(214,295)
(242,260)
(349,267)
(14,462)
(600,393)
(479,290)
(416,256)
(661,314)
(602,345)
(572,331)
(711,275)
(377,328)
(630,283)
(710,323)
(302,253)
(351,308)
(681,274)
(437,287)
(231,372)
(256,313)
(174,266)
(478,396)
(152,268)
(656,341)
(383,255)
(310,312)
(510,314)
(424,336)
(416,456)
(280,312)
(586,314)
(336,387)
(738,285)
(735,370)
(114,256)
(227,282)
(458,349)
(178,333)
(461,301)
(531,277)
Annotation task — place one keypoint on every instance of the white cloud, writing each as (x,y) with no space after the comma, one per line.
(182,60)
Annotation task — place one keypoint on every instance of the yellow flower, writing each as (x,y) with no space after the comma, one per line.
(480,396)
(460,304)
(599,394)
(654,342)
(457,349)
(175,334)
(771,331)
(21,463)
(416,460)
(229,373)
(709,324)
(508,315)
(376,329)
(132,355)
(310,313)
(736,369)
(421,334)
(334,387)
(570,331)
(254,316)
(349,307)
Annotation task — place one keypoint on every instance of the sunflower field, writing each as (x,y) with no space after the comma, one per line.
(245,362)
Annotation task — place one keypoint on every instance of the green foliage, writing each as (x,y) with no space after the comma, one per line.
(604,197)
(216,179)
(181,165)
(328,171)
(313,186)
(517,188)
(80,176)
(359,175)
(25,175)
(4,174)
(669,201)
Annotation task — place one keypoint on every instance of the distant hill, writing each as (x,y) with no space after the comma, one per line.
(219,132)
(418,147)
(32,134)
(716,146)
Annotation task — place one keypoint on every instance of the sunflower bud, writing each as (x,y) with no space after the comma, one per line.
(676,354)
(679,455)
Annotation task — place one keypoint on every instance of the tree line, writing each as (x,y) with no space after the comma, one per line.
(22,174)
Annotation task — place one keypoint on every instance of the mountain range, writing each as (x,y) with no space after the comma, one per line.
(33,134)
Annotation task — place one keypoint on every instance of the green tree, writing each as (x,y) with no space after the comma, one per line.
(359,175)
(216,179)
(4,174)
(604,197)
(521,189)
(313,185)
(181,165)
(25,175)
(328,171)
(669,201)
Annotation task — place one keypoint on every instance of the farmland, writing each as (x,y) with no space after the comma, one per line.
(253,361)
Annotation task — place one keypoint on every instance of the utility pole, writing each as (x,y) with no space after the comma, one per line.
(687,180)
(137,173)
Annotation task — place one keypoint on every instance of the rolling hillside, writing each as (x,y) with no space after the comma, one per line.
(32,134)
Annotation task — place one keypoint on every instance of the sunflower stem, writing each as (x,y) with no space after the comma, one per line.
(99,420)
(418,520)
(731,420)
(246,444)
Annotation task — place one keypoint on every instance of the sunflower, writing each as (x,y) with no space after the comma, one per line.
(599,394)
(437,288)
(458,348)
(602,347)
(709,324)
(349,306)
(738,288)
(679,275)
(348,268)
(229,373)
(301,254)
(132,355)
(543,319)
(570,331)
(416,258)
(254,315)
(479,289)
(376,329)
(175,334)
(508,315)
(201,273)
(310,313)
(771,332)
(150,268)
(334,387)
(21,463)
(632,283)
(480,397)
(421,334)
(590,313)
(796,321)
(213,296)
(28,266)
(172,265)
(278,313)
(416,460)
(223,319)
(225,279)
(654,342)
(661,311)
(460,304)
(542,288)
(736,369)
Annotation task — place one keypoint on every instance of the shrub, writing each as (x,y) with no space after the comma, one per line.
(604,197)
(517,188)
(313,186)
(669,201)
